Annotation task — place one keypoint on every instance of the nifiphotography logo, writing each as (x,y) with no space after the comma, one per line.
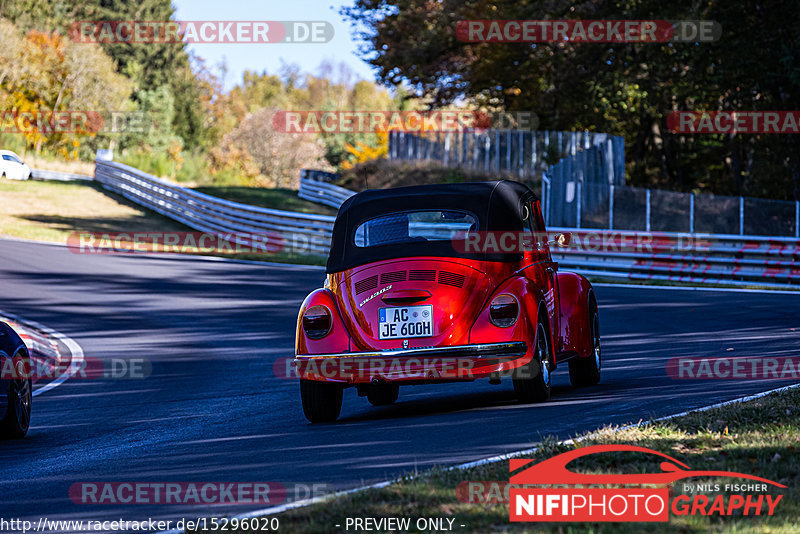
(638,497)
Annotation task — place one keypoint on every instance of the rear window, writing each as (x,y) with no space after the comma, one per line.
(415,226)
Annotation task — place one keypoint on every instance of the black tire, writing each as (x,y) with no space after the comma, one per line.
(322,401)
(532,381)
(382,394)
(17,418)
(586,371)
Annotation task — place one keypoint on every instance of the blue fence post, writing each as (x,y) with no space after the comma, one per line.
(741,215)
(611,207)
(545,198)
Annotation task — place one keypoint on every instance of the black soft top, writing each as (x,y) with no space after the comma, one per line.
(497,205)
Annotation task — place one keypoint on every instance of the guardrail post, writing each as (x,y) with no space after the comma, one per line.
(647,211)
(611,207)
(497,148)
(508,150)
(691,213)
(741,215)
(545,198)
(546,142)
(487,143)
(578,203)
(475,141)
(446,148)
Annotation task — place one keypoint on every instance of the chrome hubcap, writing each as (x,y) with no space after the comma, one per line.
(544,364)
(596,341)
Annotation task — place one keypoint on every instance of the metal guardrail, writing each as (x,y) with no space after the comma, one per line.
(303,232)
(698,259)
(41,174)
(681,257)
(319,191)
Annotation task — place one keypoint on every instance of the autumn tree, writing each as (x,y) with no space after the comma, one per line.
(279,157)
(44,72)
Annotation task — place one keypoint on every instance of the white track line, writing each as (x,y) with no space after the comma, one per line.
(493,459)
(76,358)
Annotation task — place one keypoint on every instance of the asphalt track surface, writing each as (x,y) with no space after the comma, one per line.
(213,410)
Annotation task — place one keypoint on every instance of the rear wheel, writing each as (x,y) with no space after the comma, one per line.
(322,401)
(17,420)
(586,371)
(383,394)
(532,381)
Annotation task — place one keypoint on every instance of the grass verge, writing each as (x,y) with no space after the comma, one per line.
(759,437)
(52,210)
(278,198)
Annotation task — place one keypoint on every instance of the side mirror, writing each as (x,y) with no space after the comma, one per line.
(561,240)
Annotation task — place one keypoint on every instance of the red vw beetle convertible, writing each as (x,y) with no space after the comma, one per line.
(440,283)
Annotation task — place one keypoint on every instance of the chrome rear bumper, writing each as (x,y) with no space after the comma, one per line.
(482,351)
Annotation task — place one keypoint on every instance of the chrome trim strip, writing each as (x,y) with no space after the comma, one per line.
(483,350)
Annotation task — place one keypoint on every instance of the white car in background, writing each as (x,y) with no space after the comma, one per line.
(12,167)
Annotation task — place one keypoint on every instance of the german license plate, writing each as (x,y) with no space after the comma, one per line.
(405,322)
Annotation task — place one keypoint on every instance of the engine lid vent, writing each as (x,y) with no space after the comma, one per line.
(422,275)
(451,279)
(392,277)
(366,284)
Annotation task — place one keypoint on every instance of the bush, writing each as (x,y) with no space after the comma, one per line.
(383,173)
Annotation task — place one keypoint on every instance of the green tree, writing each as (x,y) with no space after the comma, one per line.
(627,89)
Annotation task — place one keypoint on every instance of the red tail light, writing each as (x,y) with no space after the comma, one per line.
(503,311)
(317,322)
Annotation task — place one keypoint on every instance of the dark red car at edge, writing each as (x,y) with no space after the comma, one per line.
(441,283)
